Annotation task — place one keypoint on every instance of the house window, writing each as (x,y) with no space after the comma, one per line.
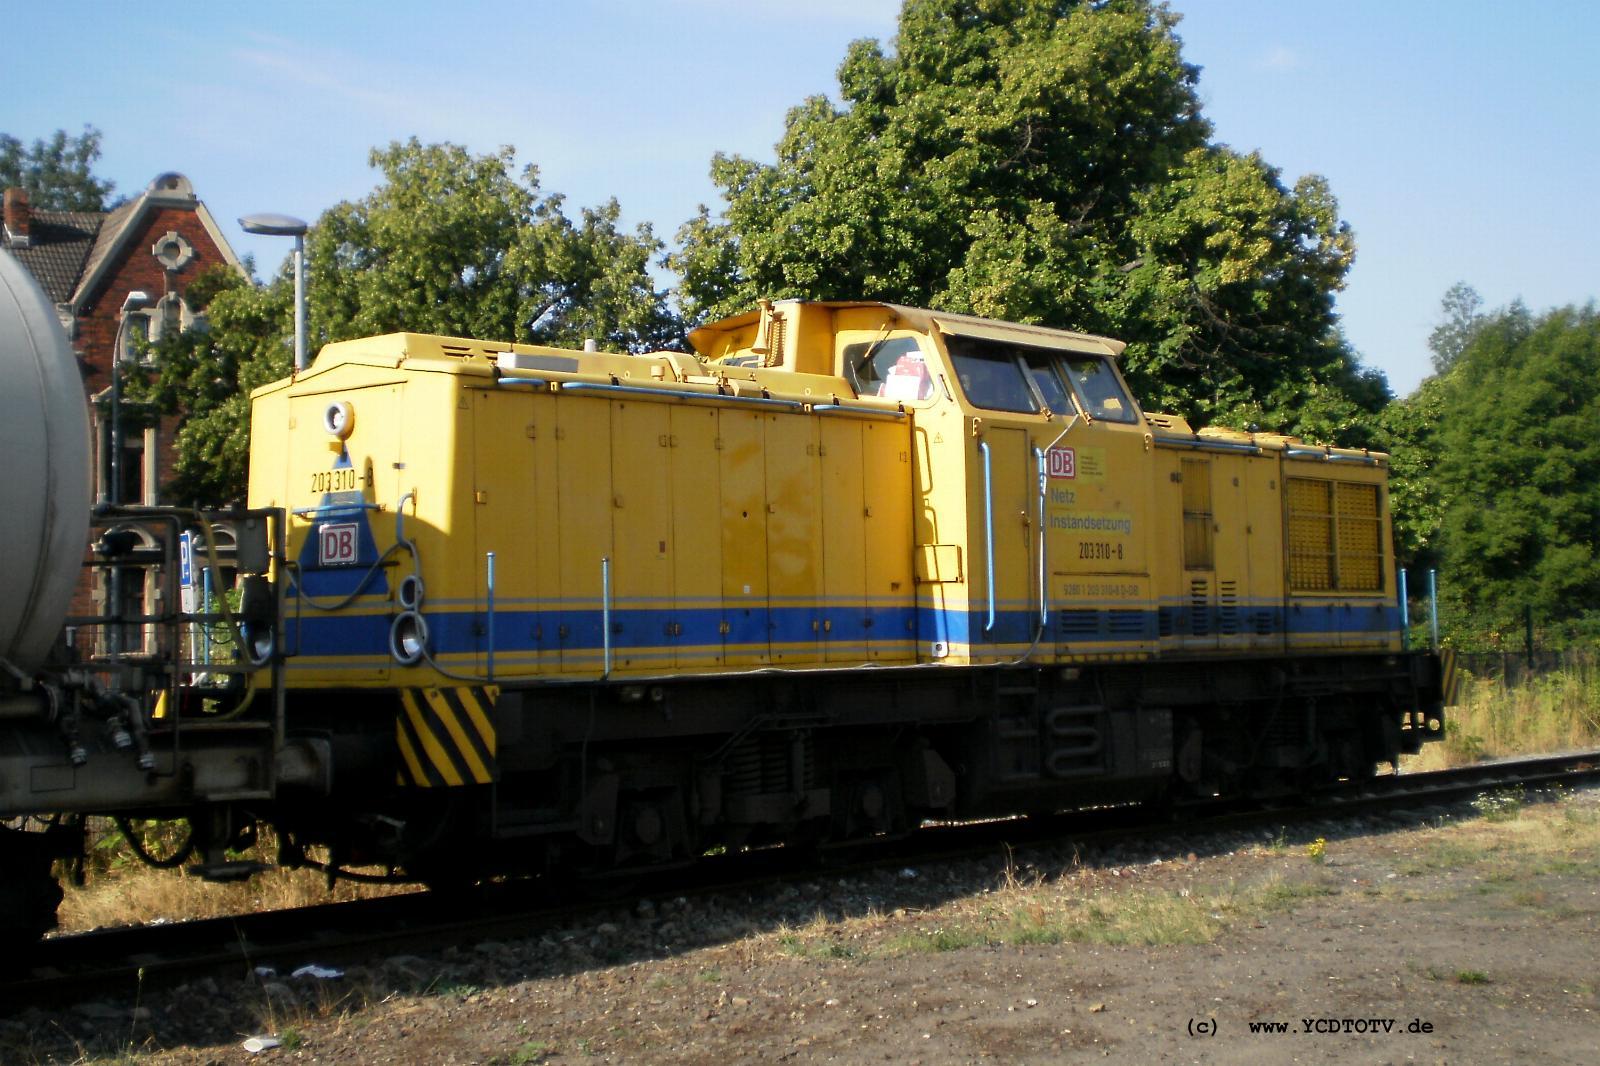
(130,473)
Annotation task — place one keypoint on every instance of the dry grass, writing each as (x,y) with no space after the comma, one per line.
(1074,908)
(1512,846)
(1556,712)
(1508,852)
(120,890)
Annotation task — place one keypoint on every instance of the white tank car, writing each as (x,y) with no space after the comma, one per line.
(44,489)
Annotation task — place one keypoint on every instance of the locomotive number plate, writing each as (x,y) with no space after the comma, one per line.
(341,480)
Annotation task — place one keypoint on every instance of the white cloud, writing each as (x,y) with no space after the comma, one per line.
(1281,57)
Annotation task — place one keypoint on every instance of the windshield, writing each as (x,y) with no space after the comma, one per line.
(1097,386)
(1015,377)
(991,375)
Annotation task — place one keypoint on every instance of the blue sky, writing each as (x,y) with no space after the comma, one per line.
(1459,137)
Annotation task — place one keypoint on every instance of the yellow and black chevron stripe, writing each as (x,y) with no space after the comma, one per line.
(1449,677)
(446,737)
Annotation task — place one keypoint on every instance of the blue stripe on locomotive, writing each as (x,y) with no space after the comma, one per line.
(566,628)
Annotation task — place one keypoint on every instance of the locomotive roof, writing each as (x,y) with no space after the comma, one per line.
(703,338)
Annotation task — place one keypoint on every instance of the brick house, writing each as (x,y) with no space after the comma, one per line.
(87,262)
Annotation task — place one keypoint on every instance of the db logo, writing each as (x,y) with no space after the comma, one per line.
(336,545)
(1062,462)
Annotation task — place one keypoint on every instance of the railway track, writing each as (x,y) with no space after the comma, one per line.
(125,962)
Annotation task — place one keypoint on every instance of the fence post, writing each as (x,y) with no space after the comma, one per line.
(1527,633)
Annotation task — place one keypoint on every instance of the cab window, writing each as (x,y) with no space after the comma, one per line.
(894,369)
(1041,368)
(1098,388)
(991,375)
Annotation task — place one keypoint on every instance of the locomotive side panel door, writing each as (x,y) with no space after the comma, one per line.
(697,536)
(744,624)
(583,486)
(1102,521)
(1264,610)
(1004,495)
(794,537)
(643,618)
(1167,573)
(1231,525)
(505,483)
(1198,620)
(889,616)
(844,551)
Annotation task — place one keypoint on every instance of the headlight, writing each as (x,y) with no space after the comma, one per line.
(408,638)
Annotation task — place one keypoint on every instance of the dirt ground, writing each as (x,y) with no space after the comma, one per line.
(1466,936)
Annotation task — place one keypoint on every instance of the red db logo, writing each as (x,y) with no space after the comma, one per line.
(1062,462)
(336,545)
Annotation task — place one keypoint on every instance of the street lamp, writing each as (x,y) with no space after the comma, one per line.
(137,300)
(269,225)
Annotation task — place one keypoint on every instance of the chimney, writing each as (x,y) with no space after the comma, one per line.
(18,218)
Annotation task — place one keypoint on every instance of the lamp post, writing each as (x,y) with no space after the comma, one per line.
(137,300)
(269,225)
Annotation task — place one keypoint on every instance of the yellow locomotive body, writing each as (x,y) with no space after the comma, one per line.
(823,486)
(849,567)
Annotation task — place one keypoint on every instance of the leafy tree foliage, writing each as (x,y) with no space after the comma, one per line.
(57,172)
(458,244)
(1462,320)
(1408,429)
(204,376)
(1519,473)
(1047,161)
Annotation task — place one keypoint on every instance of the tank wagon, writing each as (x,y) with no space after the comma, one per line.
(845,567)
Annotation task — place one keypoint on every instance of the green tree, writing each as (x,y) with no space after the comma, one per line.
(1047,161)
(1408,429)
(57,172)
(1462,318)
(204,377)
(459,244)
(1519,474)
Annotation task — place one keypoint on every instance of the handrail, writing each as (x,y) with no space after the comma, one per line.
(1328,457)
(1044,586)
(864,412)
(489,670)
(988,526)
(679,397)
(1208,445)
(605,613)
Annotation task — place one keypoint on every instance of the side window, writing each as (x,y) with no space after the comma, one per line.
(990,375)
(1098,388)
(894,369)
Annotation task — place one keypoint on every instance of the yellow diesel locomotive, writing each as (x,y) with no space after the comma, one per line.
(847,566)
